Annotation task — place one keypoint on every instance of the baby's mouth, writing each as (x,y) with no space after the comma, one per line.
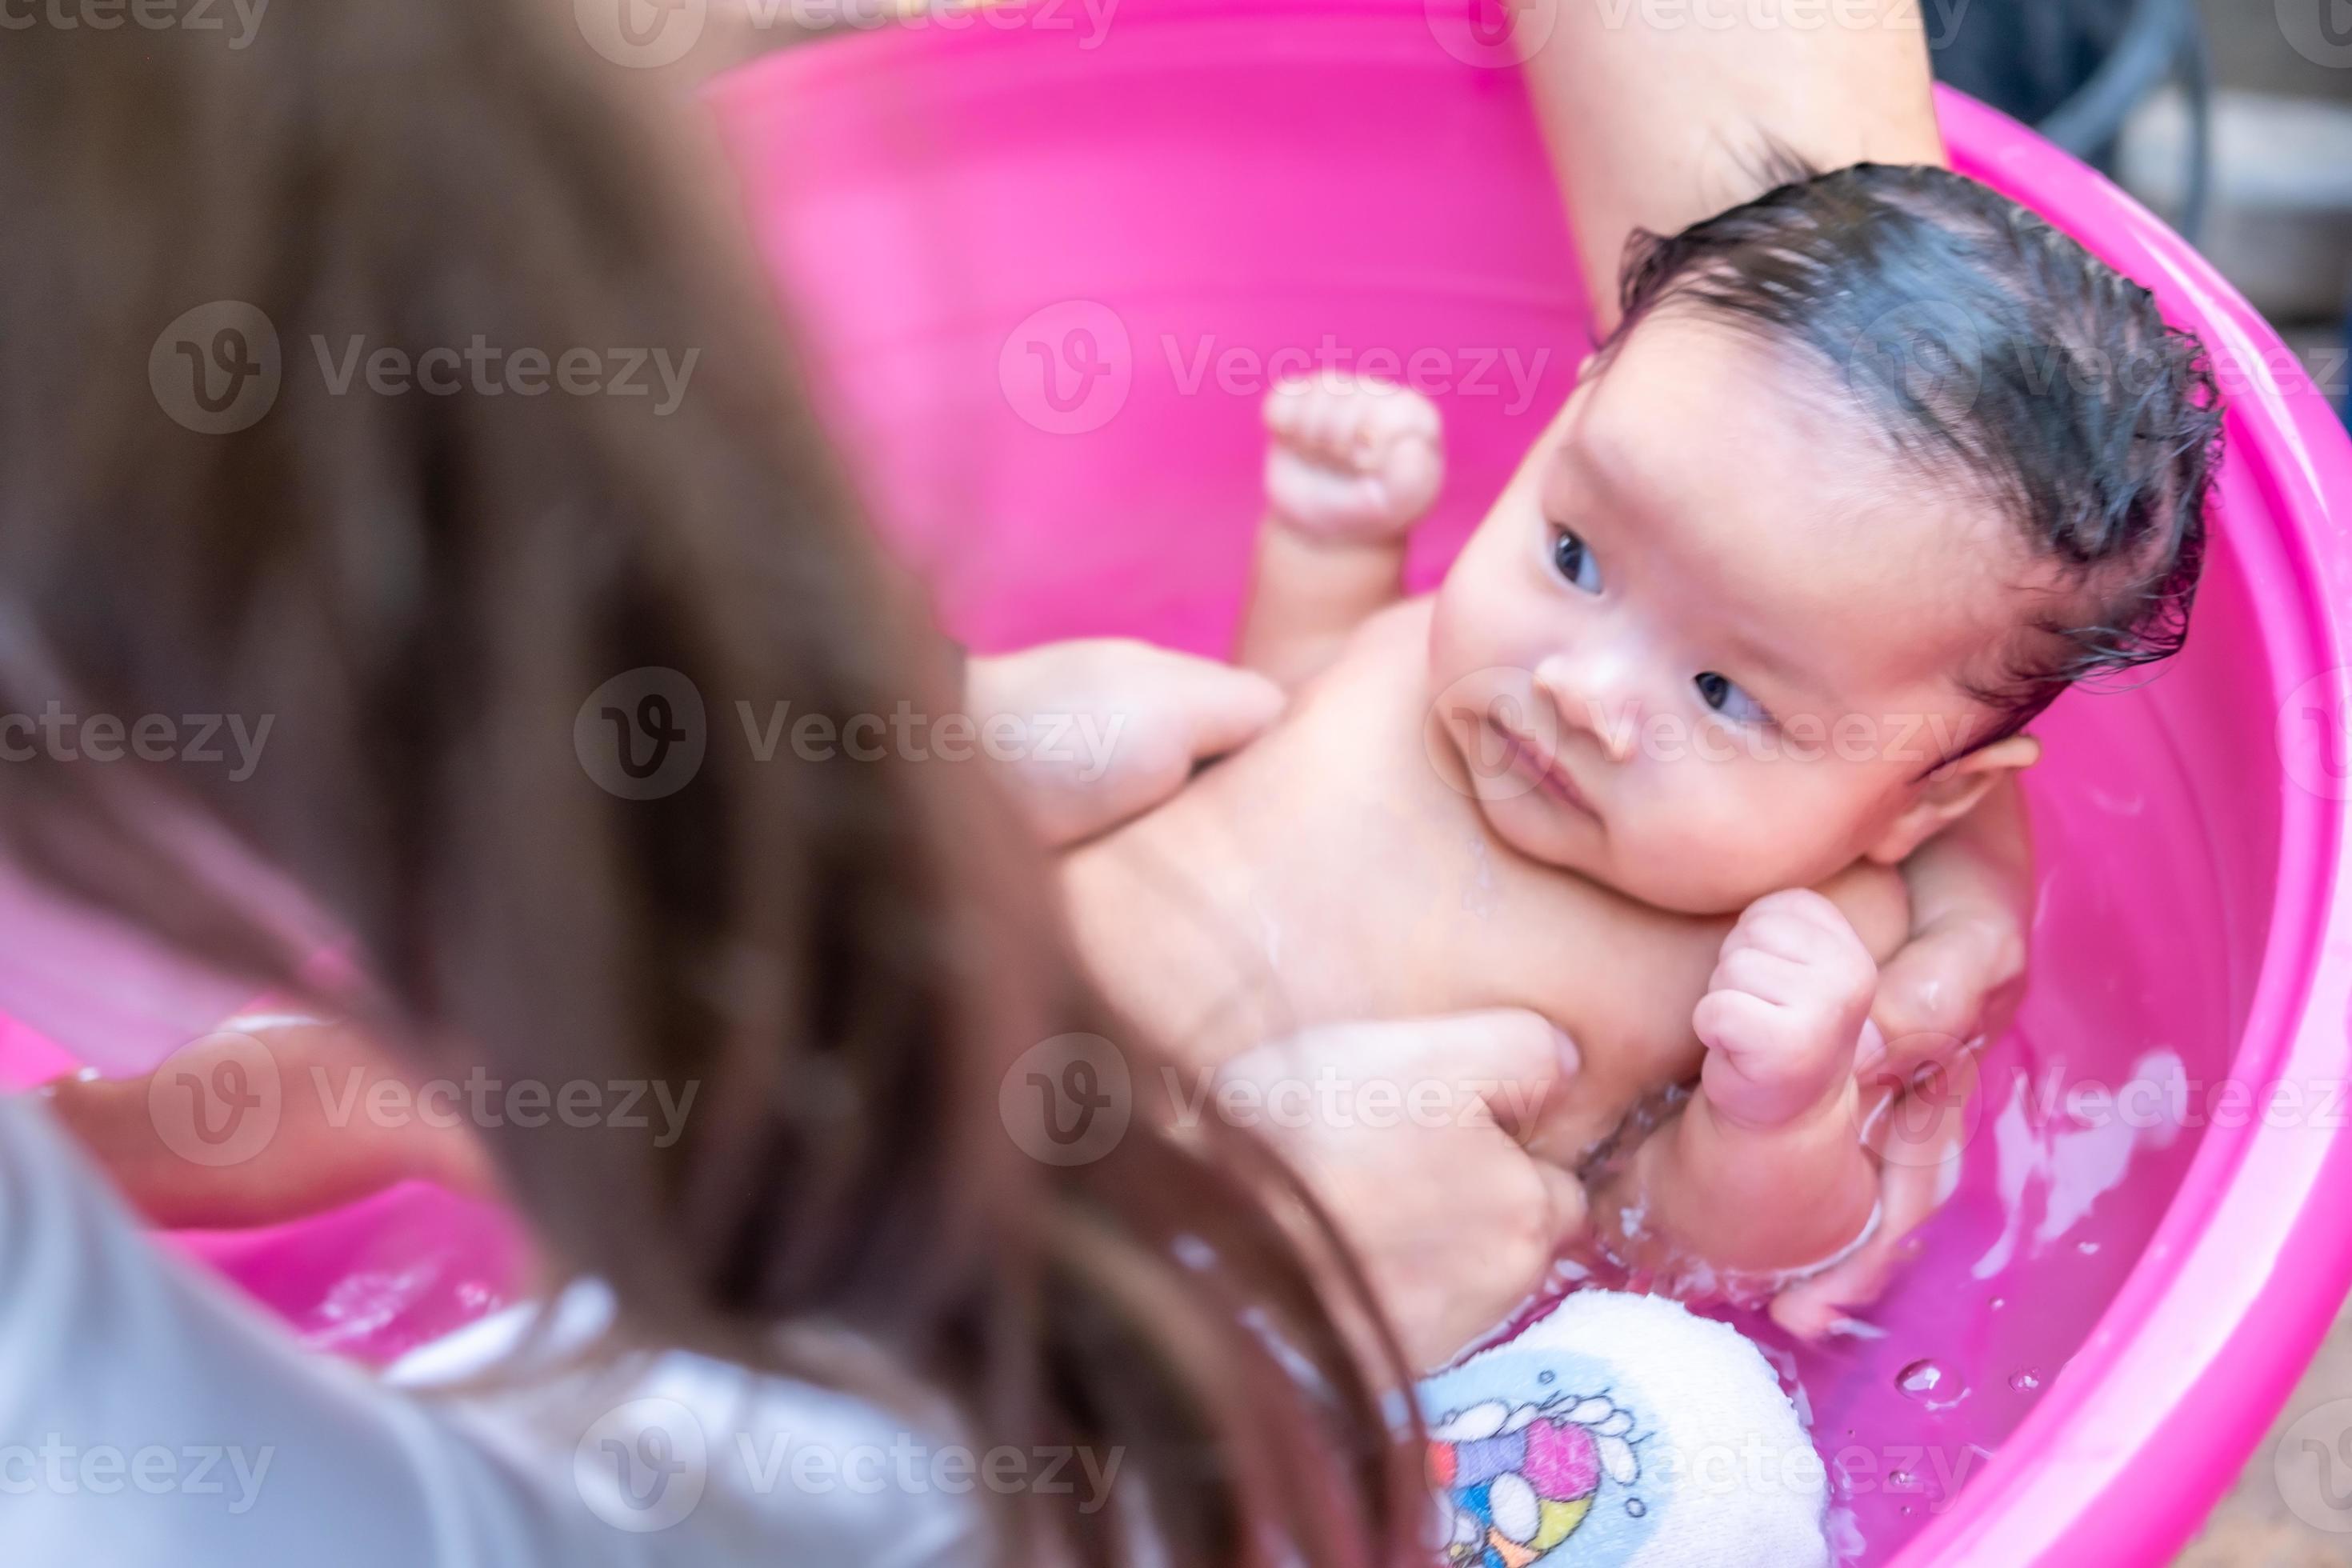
(1534,763)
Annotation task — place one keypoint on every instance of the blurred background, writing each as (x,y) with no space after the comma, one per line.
(2230,118)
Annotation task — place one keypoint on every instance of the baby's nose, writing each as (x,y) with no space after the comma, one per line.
(1592,693)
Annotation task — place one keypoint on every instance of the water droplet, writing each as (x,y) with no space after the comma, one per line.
(2026,1381)
(2087,1248)
(1901,1480)
(1998,1302)
(1636,1506)
(1920,1379)
(1544,1377)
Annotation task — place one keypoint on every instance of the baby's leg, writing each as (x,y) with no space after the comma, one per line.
(1764,1171)
(1351,467)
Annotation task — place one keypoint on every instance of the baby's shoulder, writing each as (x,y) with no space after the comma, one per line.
(1387,651)
(1404,623)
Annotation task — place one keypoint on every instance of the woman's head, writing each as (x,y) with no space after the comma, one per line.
(421,589)
(1877,464)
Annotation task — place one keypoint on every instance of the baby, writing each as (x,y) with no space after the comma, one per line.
(1877,464)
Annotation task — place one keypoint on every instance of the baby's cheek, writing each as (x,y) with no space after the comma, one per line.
(1738,829)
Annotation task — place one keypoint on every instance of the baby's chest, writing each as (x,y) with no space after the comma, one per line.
(1619,980)
(1467,925)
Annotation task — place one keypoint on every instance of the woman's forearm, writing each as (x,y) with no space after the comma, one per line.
(1662,111)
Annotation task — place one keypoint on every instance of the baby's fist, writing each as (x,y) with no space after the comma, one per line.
(1352,459)
(1788,1000)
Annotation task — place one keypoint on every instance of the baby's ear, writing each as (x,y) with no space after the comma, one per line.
(1950,793)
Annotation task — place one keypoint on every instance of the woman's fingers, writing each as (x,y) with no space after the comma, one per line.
(1105,728)
(1414,1152)
(1223,708)
(1505,1062)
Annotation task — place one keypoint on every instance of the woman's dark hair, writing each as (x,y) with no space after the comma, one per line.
(422,591)
(2007,360)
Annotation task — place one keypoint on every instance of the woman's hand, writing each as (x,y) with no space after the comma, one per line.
(1106,727)
(1411,1134)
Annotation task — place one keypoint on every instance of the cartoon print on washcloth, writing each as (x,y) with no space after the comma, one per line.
(1538,1465)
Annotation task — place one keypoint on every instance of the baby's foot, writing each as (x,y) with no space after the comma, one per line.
(1352,460)
(1784,1010)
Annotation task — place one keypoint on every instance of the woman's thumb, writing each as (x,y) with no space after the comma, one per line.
(1512,1059)
(1224,708)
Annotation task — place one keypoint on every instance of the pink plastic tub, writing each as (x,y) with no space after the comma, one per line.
(1045,269)
(1165,212)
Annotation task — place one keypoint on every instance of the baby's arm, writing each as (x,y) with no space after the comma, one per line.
(1350,467)
(1763,1171)
(333,1143)
(1971,889)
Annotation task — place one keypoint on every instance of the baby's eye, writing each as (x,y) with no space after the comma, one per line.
(1724,697)
(1574,562)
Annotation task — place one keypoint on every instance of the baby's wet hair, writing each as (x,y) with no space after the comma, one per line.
(1996,353)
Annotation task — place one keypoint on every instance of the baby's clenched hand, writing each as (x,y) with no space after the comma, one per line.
(1783,1010)
(1352,460)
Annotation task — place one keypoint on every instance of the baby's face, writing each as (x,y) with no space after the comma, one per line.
(1714,634)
